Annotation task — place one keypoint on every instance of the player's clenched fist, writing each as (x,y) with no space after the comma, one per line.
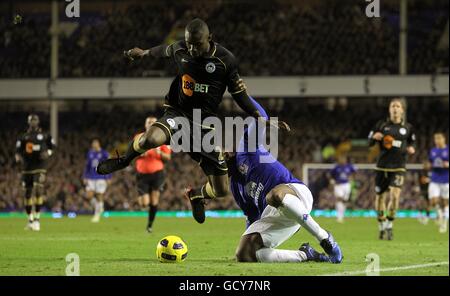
(135,53)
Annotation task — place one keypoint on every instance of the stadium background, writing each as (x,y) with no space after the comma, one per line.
(316,38)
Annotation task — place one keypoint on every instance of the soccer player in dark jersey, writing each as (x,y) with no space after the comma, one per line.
(395,138)
(438,188)
(205,69)
(276,204)
(33,148)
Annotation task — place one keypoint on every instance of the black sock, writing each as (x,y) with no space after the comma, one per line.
(152,214)
(28,209)
(131,154)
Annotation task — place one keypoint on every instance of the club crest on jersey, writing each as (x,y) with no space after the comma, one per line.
(40,137)
(210,67)
(243,169)
(305,217)
(171,122)
(402,131)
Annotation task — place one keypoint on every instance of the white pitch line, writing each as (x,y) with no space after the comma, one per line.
(389,269)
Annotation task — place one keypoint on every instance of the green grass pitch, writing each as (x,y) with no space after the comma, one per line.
(120,246)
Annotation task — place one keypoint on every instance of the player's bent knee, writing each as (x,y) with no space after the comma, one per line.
(274,198)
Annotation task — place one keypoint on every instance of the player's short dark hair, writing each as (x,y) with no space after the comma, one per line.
(197,25)
(440,133)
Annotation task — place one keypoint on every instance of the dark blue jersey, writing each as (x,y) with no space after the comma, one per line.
(252,179)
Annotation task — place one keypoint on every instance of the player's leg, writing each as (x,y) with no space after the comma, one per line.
(435,203)
(259,241)
(156,187)
(153,208)
(444,199)
(341,193)
(152,138)
(100,189)
(381,186)
(216,170)
(158,134)
(295,202)
(27,185)
(392,207)
(39,190)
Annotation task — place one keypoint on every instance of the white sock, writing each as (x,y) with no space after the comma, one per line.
(340,210)
(30,217)
(446,213)
(439,213)
(98,207)
(381,225)
(274,255)
(37,216)
(294,209)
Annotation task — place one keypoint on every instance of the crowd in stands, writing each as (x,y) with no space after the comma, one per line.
(312,140)
(268,38)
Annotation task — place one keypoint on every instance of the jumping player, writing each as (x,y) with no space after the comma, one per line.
(204,70)
(396,140)
(438,188)
(150,176)
(96,184)
(276,205)
(340,178)
(33,148)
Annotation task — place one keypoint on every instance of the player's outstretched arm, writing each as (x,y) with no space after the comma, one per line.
(244,101)
(160,51)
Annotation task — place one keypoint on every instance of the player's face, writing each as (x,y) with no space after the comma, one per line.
(96,145)
(34,122)
(396,110)
(197,44)
(148,122)
(439,140)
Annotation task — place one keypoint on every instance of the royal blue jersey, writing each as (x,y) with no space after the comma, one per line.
(437,157)
(93,158)
(251,179)
(341,172)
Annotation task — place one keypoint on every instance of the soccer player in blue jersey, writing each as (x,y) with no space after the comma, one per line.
(438,187)
(95,184)
(276,205)
(340,179)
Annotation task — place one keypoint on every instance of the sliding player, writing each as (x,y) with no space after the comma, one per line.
(276,205)
(396,139)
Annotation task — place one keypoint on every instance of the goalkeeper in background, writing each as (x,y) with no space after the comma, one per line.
(396,140)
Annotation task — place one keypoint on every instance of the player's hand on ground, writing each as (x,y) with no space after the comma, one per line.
(410,150)
(135,53)
(378,136)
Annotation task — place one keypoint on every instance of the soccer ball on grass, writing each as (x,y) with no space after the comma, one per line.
(171,249)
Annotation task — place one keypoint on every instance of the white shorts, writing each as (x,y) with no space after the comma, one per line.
(438,190)
(342,191)
(97,186)
(273,226)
